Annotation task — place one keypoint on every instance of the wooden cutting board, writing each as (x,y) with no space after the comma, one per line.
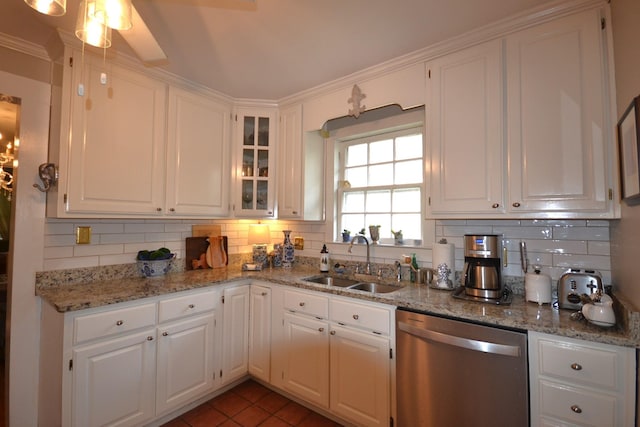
(196,252)
(216,252)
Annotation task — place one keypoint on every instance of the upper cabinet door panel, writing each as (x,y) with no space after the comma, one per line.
(556,116)
(116,158)
(197,155)
(464,126)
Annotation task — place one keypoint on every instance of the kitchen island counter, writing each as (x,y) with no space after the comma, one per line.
(519,314)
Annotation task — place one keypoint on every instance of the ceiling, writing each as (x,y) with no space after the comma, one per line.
(270,49)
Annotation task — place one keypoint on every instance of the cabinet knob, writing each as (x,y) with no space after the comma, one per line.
(159,209)
(356,317)
(149,338)
(332,332)
(295,212)
(164,334)
(320,329)
(576,366)
(516,204)
(495,205)
(172,209)
(264,294)
(302,304)
(576,409)
(120,322)
(270,213)
(192,306)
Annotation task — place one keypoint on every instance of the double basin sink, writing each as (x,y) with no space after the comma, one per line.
(359,285)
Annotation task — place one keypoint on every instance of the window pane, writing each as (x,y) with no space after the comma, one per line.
(408,200)
(356,155)
(381,151)
(408,147)
(352,222)
(381,174)
(378,201)
(353,202)
(357,177)
(409,172)
(263,131)
(249,130)
(409,224)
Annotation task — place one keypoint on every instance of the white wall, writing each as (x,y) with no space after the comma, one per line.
(27,241)
(625,243)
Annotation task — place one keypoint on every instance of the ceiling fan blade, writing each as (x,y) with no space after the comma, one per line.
(141,40)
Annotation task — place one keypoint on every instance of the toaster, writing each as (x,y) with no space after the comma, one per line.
(575,282)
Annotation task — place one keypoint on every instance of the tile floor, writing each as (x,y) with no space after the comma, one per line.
(248,405)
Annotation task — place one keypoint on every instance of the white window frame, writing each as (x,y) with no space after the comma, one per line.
(405,121)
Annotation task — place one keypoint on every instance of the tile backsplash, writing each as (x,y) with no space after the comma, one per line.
(555,245)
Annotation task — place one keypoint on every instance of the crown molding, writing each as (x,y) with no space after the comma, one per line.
(535,16)
(23,46)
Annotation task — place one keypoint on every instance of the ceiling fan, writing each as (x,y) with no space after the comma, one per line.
(99,17)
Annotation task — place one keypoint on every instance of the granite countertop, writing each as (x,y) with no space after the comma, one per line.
(519,314)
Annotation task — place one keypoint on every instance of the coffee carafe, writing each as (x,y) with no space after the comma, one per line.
(481,276)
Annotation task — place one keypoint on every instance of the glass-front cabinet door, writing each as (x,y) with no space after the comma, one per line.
(255,171)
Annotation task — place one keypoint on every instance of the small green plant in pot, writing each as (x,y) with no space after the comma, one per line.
(346,235)
(397,237)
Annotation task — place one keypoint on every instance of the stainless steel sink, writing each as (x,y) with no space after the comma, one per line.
(331,281)
(375,288)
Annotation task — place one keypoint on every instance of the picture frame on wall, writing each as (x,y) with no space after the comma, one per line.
(629,150)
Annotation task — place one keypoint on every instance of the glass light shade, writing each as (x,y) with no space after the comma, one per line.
(259,234)
(114,14)
(49,7)
(89,29)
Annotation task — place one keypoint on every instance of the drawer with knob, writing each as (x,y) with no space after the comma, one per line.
(346,312)
(307,303)
(576,405)
(103,324)
(195,303)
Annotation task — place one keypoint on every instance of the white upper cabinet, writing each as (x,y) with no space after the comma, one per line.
(532,141)
(558,130)
(198,156)
(464,130)
(126,149)
(301,165)
(114,143)
(254,188)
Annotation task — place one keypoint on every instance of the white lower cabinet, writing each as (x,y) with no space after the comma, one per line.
(185,361)
(580,383)
(130,363)
(113,381)
(260,332)
(235,333)
(336,353)
(306,371)
(360,376)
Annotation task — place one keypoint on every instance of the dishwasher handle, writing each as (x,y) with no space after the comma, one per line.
(470,344)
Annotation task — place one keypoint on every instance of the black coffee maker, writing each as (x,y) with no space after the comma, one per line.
(481,276)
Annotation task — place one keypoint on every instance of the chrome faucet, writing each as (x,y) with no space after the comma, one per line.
(398,271)
(367,268)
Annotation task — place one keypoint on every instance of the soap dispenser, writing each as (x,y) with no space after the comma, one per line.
(324,259)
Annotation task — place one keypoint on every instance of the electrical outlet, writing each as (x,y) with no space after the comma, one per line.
(83,235)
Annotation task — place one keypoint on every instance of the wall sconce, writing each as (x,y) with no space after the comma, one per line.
(259,236)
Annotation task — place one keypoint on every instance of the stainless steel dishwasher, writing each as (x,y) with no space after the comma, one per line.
(452,373)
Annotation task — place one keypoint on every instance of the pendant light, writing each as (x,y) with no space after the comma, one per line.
(49,7)
(114,14)
(90,29)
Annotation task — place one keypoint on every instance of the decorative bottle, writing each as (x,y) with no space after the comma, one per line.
(414,267)
(324,259)
(288,251)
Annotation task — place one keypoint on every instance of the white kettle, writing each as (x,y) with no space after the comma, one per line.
(600,312)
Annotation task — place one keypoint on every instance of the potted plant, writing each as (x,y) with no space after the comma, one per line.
(397,236)
(374,232)
(346,235)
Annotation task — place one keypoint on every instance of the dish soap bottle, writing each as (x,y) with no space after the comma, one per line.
(324,259)
(414,268)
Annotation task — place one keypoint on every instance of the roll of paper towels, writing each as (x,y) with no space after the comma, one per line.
(444,254)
